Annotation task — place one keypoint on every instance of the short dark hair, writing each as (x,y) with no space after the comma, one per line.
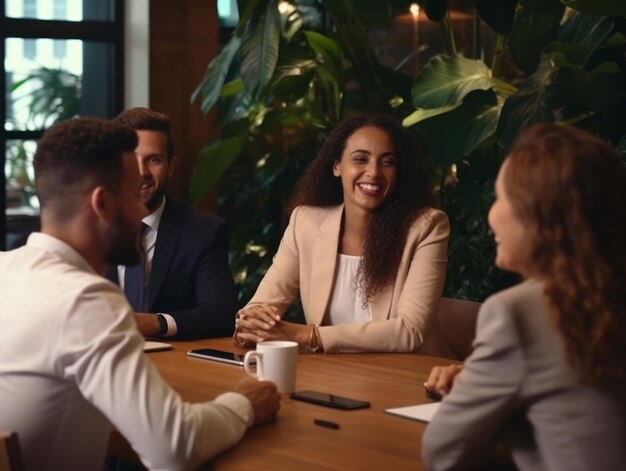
(145,119)
(76,153)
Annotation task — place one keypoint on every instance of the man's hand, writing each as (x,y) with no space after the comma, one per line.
(264,397)
(148,324)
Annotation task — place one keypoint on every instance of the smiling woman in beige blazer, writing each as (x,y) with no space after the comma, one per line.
(364,249)
(547,374)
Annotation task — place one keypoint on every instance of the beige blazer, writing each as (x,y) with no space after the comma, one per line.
(403,314)
(518,387)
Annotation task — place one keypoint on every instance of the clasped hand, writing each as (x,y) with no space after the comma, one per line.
(263,322)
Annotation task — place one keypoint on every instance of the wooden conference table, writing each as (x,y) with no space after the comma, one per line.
(367,438)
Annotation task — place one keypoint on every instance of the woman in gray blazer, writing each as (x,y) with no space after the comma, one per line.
(546,377)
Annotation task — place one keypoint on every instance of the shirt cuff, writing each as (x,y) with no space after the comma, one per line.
(239,404)
(171,325)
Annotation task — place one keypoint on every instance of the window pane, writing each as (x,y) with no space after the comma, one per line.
(227,12)
(18,168)
(68,10)
(22,205)
(66,78)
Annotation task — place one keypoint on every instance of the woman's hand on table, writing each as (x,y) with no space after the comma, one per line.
(252,322)
(263,322)
(441,379)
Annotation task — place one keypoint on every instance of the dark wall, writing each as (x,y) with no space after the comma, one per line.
(184,37)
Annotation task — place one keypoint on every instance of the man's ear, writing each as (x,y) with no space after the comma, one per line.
(101,203)
(172,165)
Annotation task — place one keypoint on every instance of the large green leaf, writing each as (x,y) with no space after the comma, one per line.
(232,88)
(354,41)
(581,36)
(290,88)
(450,136)
(247,9)
(211,85)
(526,106)
(587,30)
(498,14)
(328,53)
(535,25)
(213,161)
(424,113)
(572,86)
(598,7)
(445,80)
(259,49)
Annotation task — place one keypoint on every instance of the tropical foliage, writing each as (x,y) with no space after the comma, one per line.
(51,94)
(285,78)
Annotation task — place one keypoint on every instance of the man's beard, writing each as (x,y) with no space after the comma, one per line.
(155,200)
(125,246)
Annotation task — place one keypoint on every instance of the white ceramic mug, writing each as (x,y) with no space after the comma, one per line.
(276,361)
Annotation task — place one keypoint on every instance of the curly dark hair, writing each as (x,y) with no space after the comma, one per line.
(145,119)
(411,196)
(76,153)
(569,188)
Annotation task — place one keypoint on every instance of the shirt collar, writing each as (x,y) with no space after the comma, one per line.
(153,219)
(56,246)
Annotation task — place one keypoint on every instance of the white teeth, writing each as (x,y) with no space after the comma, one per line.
(369,186)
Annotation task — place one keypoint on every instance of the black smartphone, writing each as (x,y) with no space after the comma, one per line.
(218,355)
(329,400)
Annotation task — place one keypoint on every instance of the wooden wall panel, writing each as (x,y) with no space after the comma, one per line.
(184,37)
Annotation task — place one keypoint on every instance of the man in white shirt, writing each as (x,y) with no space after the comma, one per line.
(71,357)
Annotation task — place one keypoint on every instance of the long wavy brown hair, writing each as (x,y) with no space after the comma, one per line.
(569,188)
(390,222)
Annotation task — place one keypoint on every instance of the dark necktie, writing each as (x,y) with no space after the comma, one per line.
(134,279)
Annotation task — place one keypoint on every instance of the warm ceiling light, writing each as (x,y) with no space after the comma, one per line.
(414,9)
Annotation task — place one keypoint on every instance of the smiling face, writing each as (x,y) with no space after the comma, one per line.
(123,234)
(511,234)
(154,167)
(367,168)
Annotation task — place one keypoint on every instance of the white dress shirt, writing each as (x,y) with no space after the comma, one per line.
(72,365)
(148,241)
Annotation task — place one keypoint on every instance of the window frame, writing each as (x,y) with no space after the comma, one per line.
(111,32)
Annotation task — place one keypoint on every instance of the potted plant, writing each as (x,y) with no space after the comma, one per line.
(282,81)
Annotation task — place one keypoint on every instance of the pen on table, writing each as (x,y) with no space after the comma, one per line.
(326,423)
(430,394)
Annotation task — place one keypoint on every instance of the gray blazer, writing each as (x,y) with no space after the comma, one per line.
(518,388)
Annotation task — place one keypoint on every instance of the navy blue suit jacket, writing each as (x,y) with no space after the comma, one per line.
(190,277)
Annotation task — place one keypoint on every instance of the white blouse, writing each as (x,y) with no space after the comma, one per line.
(346,302)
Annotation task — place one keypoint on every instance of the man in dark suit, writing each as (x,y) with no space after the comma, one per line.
(183,288)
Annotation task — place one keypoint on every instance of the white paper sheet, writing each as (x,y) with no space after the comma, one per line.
(151,346)
(421,412)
